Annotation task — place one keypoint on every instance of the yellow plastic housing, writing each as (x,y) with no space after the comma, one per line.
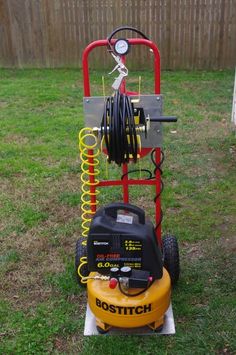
(112,308)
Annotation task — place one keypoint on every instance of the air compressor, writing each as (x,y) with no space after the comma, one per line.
(128,267)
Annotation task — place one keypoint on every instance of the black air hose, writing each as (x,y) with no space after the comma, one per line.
(118,129)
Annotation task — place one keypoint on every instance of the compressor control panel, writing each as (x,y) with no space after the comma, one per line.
(117,250)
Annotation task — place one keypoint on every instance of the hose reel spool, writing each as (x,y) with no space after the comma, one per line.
(119,129)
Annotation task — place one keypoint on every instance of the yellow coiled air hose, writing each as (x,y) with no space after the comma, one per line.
(89,158)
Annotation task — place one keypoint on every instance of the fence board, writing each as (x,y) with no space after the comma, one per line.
(198,34)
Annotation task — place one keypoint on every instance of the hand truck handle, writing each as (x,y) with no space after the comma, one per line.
(132,41)
(112,209)
(164,119)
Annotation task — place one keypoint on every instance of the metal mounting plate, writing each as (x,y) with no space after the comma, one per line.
(168,328)
(152,105)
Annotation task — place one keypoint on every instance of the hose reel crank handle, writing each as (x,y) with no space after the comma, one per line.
(167,119)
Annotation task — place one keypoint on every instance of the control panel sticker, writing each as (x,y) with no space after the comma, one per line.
(132,245)
(124,218)
(117,251)
(98,242)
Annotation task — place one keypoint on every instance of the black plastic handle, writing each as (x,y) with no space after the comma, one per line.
(111,210)
(164,119)
(124,28)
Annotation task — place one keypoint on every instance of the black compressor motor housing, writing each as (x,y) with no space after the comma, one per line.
(123,239)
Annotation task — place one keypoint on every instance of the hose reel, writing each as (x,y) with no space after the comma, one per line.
(118,127)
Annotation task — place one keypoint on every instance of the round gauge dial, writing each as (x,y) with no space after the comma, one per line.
(121,46)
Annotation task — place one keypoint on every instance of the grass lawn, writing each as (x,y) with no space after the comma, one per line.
(42,309)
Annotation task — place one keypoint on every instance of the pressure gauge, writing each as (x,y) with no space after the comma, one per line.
(121,46)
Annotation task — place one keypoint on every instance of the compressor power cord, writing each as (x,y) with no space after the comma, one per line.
(152,176)
(118,129)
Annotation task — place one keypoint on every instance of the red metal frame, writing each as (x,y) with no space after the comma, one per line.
(132,41)
(126,182)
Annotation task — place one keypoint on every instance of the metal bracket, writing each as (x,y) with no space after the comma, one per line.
(152,105)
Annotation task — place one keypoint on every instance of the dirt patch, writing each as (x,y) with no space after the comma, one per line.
(60,344)
(225,351)
(58,215)
(232,151)
(23,283)
(203,130)
(73,344)
(192,251)
(228,244)
(16,139)
(146,201)
(3,104)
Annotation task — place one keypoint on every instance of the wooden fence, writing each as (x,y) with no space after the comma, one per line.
(198,34)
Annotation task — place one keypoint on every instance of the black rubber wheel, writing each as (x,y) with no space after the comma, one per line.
(80,251)
(171,257)
(102,331)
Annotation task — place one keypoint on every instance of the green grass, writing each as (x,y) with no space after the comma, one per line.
(42,308)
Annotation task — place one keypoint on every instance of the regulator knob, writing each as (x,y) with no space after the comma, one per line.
(126,271)
(114,272)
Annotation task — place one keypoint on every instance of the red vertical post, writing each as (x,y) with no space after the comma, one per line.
(125,183)
(158,199)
